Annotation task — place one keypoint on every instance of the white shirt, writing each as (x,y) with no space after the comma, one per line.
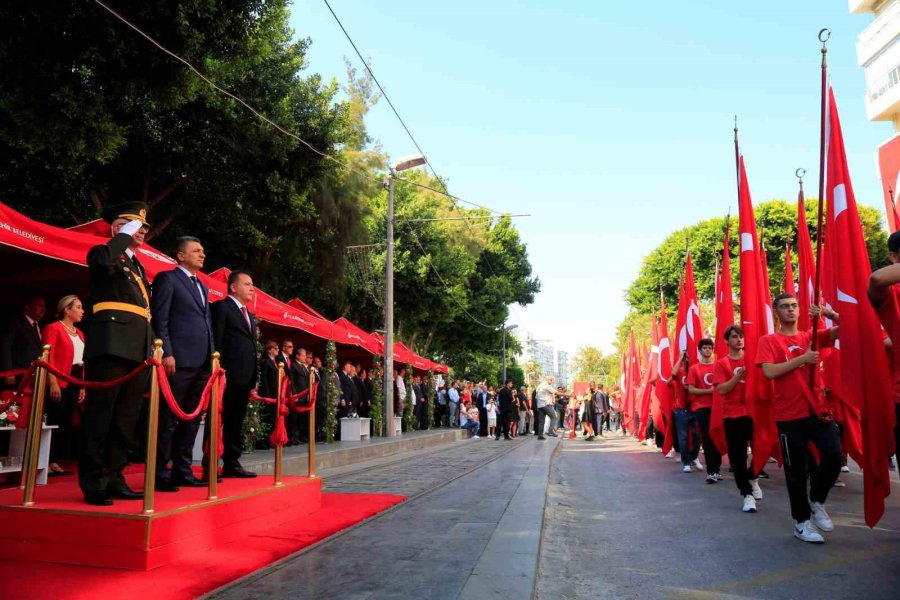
(34,324)
(241,308)
(545,394)
(78,345)
(401,388)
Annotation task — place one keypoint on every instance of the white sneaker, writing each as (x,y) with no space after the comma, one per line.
(755,490)
(671,454)
(749,504)
(806,531)
(845,469)
(839,483)
(696,464)
(474,437)
(821,518)
(686,469)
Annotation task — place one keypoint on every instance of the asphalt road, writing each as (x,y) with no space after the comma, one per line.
(623,522)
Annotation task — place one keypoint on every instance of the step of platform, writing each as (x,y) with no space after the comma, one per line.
(339,454)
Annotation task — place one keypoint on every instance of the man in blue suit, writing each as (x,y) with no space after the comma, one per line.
(181,319)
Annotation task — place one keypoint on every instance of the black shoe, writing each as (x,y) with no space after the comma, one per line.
(123,492)
(238,473)
(542,438)
(191,482)
(205,479)
(552,433)
(763,475)
(98,499)
(166,485)
(506,437)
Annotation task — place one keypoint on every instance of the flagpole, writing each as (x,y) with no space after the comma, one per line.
(737,161)
(824,36)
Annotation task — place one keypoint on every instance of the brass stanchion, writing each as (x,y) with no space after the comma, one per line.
(33,434)
(212,421)
(279,448)
(152,430)
(311,455)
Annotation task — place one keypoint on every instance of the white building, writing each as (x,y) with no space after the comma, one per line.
(878,53)
(540,352)
(562,368)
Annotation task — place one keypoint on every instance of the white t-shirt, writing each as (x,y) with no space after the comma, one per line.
(545,394)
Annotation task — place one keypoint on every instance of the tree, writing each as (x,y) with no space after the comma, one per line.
(587,364)
(776,221)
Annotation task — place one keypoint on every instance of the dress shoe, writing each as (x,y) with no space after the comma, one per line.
(123,492)
(166,485)
(205,479)
(192,482)
(238,473)
(98,499)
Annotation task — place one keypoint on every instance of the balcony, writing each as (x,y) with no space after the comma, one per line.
(862,6)
(879,33)
(883,96)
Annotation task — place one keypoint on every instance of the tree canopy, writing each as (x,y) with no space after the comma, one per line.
(92,114)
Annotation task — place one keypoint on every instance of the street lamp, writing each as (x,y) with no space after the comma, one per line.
(402,164)
(505,329)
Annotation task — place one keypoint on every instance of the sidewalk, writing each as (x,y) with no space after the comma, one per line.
(451,541)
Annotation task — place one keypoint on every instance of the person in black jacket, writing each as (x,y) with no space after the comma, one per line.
(20,343)
(117,342)
(300,383)
(268,388)
(505,396)
(349,394)
(234,331)
(359,380)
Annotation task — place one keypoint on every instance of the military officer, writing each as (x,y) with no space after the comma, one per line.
(118,341)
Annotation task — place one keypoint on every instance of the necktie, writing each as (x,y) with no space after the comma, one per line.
(37,329)
(199,289)
(246,318)
(137,265)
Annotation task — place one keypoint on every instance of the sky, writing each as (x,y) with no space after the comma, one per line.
(610,123)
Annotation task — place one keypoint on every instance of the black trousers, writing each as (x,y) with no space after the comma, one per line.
(710,452)
(738,435)
(175,439)
(60,414)
(482,420)
(798,467)
(503,423)
(109,426)
(234,409)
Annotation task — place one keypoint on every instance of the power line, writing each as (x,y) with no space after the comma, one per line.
(266,119)
(397,114)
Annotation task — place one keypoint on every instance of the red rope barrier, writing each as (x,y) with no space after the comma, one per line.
(279,435)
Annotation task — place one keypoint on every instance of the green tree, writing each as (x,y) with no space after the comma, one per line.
(587,364)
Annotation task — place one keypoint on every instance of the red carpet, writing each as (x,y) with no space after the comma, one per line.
(206,571)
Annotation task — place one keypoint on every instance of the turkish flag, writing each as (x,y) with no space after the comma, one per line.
(632,381)
(688,326)
(805,265)
(724,299)
(647,389)
(663,376)
(756,321)
(865,372)
(788,285)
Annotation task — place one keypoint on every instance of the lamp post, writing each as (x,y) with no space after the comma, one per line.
(505,329)
(407,162)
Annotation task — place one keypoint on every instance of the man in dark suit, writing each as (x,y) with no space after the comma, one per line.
(182,320)
(268,388)
(118,341)
(349,395)
(234,332)
(20,343)
(299,383)
(359,380)
(506,403)
(421,390)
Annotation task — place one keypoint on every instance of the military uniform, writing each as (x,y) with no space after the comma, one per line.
(118,341)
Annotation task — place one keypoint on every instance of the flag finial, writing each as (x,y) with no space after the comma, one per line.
(799,174)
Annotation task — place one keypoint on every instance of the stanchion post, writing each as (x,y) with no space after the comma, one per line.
(152,430)
(212,421)
(279,448)
(33,434)
(311,455)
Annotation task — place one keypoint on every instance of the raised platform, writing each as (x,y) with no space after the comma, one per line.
(61,528)
(339,454)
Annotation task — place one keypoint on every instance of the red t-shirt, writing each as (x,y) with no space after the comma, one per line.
(734,403)
(700,376)
(790,400)
(679,391)
(889,314)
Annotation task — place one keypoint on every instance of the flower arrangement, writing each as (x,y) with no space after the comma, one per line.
(430,407)
(10,416)
(332,393)
(377,396)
